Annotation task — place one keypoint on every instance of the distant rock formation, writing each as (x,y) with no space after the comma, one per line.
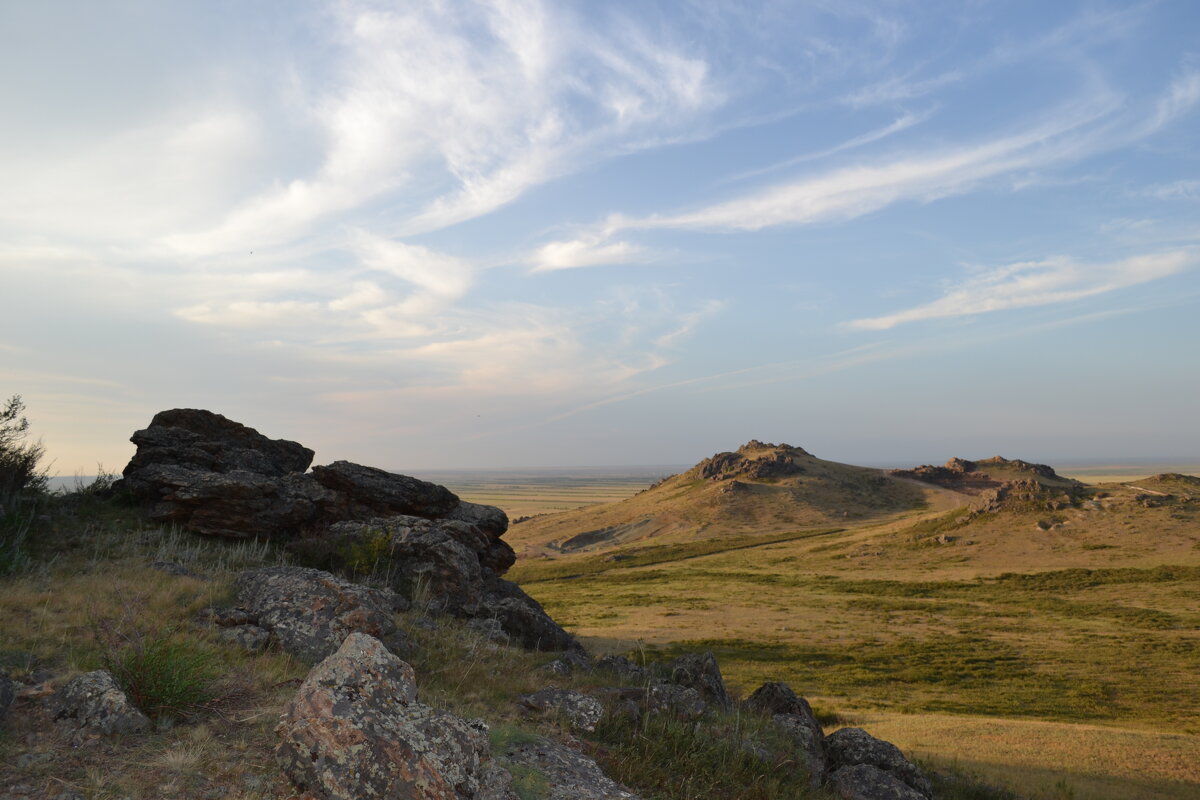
(988,474)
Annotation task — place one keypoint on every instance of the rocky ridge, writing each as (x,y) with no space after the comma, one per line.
(357,726)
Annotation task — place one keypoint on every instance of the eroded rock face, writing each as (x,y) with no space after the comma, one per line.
(236,504)
(850,747)
(569,774)
(93,702)
(865,782)
(311,612)
(355,729)
(203,441)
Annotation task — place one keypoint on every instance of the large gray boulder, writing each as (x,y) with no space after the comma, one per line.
(310,612)
(94,703)
(865,782)
(850,747)
(701,672)
(355,729)
(794,716)
(569,774)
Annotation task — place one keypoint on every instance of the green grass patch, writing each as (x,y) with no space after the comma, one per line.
(540,571)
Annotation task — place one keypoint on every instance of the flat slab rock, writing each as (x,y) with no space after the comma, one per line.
(311,612)
(570,775)
(94,703)
(355,730)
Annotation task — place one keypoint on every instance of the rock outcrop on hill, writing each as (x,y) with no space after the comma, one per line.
(988,474)
(217,477)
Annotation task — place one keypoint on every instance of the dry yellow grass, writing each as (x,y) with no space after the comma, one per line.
(1043,760)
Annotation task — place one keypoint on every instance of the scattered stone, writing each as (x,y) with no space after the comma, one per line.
(569,775)
(700,671)
(8,693)
(684,702)
(623,668)
(27,760)
(93,702)
(866,782)
(250,638)
(311,612)
(568,663)
(850,747)
(355,729)
(581,711)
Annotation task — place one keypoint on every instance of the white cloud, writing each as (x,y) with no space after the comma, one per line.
(1177,190)
(587,251)
(1038,283)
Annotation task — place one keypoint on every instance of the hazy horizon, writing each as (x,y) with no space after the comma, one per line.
(478,234)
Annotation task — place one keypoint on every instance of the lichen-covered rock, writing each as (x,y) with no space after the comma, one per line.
(569,774)
(581,711)
(793,715)
(250,638)
(866,782)
(93,702)
(495,783)
(570,662)
(700,671)
(311,612)
(355,730)
(850,747)
(371,492)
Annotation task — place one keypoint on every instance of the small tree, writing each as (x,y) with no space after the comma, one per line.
(18,458)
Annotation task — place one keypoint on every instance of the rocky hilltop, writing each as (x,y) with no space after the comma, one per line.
(758,488)
(408,574)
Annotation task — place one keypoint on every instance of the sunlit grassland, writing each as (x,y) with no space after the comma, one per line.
(855,619)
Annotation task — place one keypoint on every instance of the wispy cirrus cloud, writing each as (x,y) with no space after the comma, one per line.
(1038,283)
(587,251)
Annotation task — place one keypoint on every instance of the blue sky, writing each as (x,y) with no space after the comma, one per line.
(486,234)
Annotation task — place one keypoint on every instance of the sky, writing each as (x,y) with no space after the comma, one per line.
(455,234)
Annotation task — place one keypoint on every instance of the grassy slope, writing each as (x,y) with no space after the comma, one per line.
(690,506)
(1095,620)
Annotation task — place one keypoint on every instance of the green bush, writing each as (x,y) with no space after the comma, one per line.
(165,675)
(19,470)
